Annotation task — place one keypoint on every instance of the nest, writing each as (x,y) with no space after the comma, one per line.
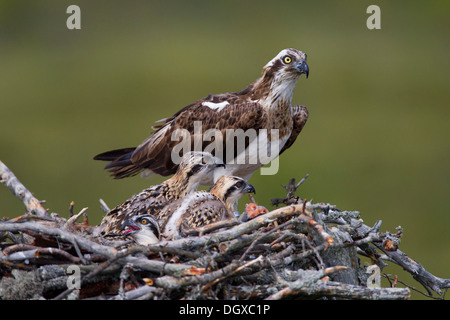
(298,250)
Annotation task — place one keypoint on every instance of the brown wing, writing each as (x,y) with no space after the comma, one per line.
(196,210)
(163,215)
(300,116)
(155,152)
(205,212)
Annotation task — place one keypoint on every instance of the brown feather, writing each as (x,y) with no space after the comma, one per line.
(238,116)
(202,207)
(300,116)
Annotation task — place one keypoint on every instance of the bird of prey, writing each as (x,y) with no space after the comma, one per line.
(264,108)
(193,169)
(144,228)
(202,207)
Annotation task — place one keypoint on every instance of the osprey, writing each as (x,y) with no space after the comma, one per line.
(144,228)
(194,168)
(202,207)
(263,108)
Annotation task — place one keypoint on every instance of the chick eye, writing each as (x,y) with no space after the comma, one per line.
(238,185)
(287,59)
(144,221)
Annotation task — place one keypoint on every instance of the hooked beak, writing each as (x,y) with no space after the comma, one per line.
(218,165)
(302,67)
(249,189)
(129,227)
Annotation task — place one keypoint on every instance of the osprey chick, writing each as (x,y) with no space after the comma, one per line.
(143,228)
(260,117)
(194,168)
(201,208)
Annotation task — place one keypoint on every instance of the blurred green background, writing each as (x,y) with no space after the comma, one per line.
(377,139)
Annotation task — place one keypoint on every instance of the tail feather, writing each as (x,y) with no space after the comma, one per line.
(115,154)
(120,164)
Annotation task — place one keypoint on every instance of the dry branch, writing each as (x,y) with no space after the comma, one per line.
(332,289)
(18,189)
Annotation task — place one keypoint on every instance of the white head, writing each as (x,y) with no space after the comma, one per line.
(229,189)
(290,63)
(282,72)
(144,229)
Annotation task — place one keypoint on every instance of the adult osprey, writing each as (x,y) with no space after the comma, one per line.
(260,116)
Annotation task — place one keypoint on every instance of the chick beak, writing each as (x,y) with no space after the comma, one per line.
(129,227)
(249,189)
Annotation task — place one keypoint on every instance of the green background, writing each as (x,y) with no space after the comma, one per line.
(377,139)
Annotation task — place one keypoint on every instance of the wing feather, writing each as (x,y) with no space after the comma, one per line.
(196,210)
(155,152)
(300,116)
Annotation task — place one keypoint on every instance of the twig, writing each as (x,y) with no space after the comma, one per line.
(235,271)
(236,231)
(212,227)
(103,206)
(18,189)
(304,283)
(342,290)
(59,233)
(418,272)
(74,218)
(412,288)
(72,204)
(172,283)
(137,293)
(291,188)
(316,227)
(250,247)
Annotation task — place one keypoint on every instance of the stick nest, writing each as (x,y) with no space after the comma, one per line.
(298,250)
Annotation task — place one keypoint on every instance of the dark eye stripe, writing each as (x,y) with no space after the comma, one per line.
(155,229)
(196,168)
(232,188)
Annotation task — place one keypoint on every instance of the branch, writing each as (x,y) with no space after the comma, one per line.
(61,234)
(91,246)
(363,234)
(307,279)
(342,290)
(18,189)
(235,232)
(291,188)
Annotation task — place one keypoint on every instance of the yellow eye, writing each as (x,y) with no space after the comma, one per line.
(287,59)
(238,184)
(203,161)
(144,221)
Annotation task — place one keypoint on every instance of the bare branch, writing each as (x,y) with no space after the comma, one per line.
(18,189)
